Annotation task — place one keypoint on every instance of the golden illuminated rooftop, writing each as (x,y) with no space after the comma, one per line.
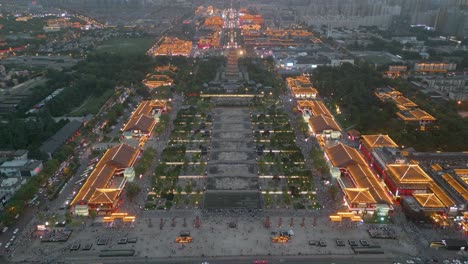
(316,107)
(321,123)
(401,100)
(288,33)
(415,115)
(443,197)
(104,196)
(141,123)
(167,68)
(421,114)
(436,167)
(118,157)
(378,141)
(459,188)
(428,200)
(387,95)
(173,47)
(252,19)
(363,177)
(408,174)
(342,155)
(461,172)
(214,21)
(301,85)
(359,195)
(142,119)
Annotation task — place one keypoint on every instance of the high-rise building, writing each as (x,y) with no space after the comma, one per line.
(453,21)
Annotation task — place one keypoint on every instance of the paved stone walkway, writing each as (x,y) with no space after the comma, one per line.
(232,169)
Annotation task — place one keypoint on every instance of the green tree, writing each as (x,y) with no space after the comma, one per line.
(302,126)
(132,190)
(333,190)
(188,188)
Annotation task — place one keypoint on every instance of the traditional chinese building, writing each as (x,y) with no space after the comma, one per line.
(362,190)
(102,189)
(144,119)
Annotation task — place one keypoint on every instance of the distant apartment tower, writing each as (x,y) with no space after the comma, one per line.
(453,21)
(349,13)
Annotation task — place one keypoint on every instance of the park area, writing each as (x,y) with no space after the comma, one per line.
(283,176)
(179,177)
(126,46)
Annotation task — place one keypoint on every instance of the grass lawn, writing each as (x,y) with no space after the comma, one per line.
(128,46)
(92,104)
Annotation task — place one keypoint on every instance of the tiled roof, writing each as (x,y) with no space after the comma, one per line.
(143,123)
(322,122)
(364,178)
(401,100)
(428,200)
(444,198)
(408,174)
(341,156)
(378,141)
(460,189)
(316,107)
(359,195)
(118,157)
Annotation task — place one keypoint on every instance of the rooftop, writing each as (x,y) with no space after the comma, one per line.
(401,100)
(316,107)
(321,122)
(341,156)
(118,157)
(428,200)
(364,178)
(359,195)
(142,123)
(459,188)
(377,141)
(408,174)
(66,132)
(444,198)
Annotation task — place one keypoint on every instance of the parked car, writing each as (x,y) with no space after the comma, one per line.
(340,243)
(16,231)
(364,243)
(4,229)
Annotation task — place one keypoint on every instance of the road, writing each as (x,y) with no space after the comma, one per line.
(337,259)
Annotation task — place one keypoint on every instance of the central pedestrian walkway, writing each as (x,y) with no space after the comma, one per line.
(232,168)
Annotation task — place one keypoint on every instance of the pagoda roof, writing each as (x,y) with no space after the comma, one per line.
(359,195)
(408,174)
(428,200)
(342,156)
(322,122)
(378,141)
